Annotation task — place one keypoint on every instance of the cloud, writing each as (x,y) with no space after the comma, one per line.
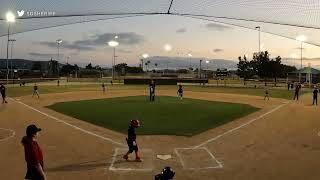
(181,30)
(42,54)
(98,40)
(218,50)
(217,27)
(67,45)
(124,51)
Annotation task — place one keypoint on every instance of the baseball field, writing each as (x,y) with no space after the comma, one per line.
(213,133)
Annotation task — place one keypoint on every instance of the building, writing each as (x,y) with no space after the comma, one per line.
(308,74)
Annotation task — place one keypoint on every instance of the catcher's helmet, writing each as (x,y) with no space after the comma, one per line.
(168,173)
(135,123)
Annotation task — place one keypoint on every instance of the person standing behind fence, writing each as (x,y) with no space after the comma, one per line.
(315,96)
(296,92)
(35,91)
(33,154)
(3,93)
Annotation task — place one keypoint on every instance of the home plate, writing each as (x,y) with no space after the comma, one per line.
(164,156)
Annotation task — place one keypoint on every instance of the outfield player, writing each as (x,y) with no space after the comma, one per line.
(131,140)
(3,93)
(35,91)
(180,92)
(296,92)
(315,96)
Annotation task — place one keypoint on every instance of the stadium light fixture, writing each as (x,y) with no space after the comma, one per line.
(145,55)
(167,47)
(113,43)
(10,17)
(301,38)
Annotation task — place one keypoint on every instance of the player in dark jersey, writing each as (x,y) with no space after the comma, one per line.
(315,96)
(3,93)
(35,91)
(131,140)
(180,92)
(152,91)
(296,92)
(166,174)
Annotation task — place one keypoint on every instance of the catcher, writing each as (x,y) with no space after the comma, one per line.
(131,140)
(166,174)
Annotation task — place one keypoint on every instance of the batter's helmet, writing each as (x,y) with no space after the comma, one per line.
(135,123)
(168,173)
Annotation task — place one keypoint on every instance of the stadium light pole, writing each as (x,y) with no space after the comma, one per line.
(200,69)
(12,41)
(113,44)
(259,34)
(10,19)
(58,41)
(190,55)
(301,39)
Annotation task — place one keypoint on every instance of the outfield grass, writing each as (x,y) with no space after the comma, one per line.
(45,89)
(166,116)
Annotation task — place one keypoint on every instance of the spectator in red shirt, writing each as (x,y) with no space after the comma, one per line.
(33,154)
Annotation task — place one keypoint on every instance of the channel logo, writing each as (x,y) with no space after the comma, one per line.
(20,13)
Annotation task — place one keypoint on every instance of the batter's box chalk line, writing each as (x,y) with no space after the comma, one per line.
(209,154)
(116,155)
(12,134)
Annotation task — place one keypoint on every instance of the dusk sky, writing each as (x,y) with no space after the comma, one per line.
(87,42)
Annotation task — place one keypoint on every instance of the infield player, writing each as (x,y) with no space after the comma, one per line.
(180,92)
(131,140)
(103,88)
(35,91)
(152,91)
(3,93)
(266,93)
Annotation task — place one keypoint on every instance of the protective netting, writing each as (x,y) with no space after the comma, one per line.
(298,16)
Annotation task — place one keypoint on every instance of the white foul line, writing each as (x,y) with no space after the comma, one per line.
(73,126)
(12,134)
(243,125)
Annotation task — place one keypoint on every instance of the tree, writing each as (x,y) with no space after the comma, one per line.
(36,66)
(89,66)
(245,69)
(121,68)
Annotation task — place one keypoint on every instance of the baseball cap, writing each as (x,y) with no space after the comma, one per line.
(32,129)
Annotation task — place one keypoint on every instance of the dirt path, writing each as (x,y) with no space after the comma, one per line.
(281,142)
